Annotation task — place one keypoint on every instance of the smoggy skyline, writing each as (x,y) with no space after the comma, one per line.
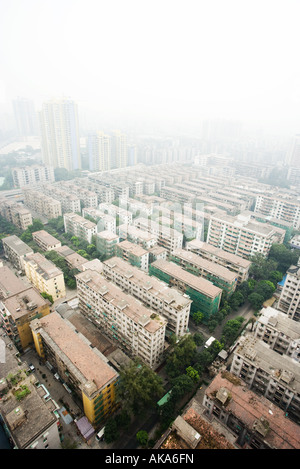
(169,61)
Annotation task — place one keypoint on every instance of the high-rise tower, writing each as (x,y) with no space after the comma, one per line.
(99,151)
(60,134)
(26,117)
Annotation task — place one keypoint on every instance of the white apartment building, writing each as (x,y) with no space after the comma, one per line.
(289,301)
(279,207)
(136,206)
(241,235)
(45,276)
(45,240)
(104,222)
(137,329)
(15,213)
(125,216)
(137,236)
(167,237)
(236,264)
(79,226)
(268,373)
(279,331)
(32,175)
(42,204)
(15,250)
(69,202)
(134,254)
(153,293)
(60,134)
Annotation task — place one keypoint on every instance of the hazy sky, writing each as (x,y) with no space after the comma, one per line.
(233,59)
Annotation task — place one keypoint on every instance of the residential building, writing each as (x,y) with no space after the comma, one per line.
(255,421)
(289,301)
(26,117)
(104,222)
(137,236)
(232,262)
(79,226)
(106,242)
(99,152)
(280,207)
(295,242)
(124,216)
(280,332)
(167,237)
(32,175)
(18,310)
(31,423)
(83,368)
(45,240)
(42,204)
(60,134)
(118,150)
(134,254)
(268,374)
(241,235)
(15,213)
(215,273)
(156,253)
(206,297)
(15,250)
(155,294)
(45,276)
(69,202)
(137,329)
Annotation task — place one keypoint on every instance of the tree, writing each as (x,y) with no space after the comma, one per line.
(181,357)
(139,387)
(231,329)
(256,300)
(197,317)
(261,266)
(37,225)
(192,373)
(142,437)
(265,288)
(284,256)
(111,431)
(236,300)
(198,338)
(47,297)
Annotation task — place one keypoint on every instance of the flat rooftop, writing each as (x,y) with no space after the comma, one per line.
(20,304)
(197,283)
(132,248)
(149,283)
(208,266)
(91,366)
(130,306)
(10,284)
(43,266)
(17,245)
(218,252)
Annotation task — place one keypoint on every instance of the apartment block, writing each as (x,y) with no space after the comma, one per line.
(18,310)
(241,235)
(255,422)
(45,240)
(106,242)
(206,297)
(134,254)
(216,274)
(79,226)
(157,253)
(69,202)
(104,194)
(31,423)
(289,301)
(104,222)
(268,374)
(167,237)
(15,250)
(138,330)
(32,175)
(137,236)
(84,369)
(45,276)
(87,197)
(279,207)
(124,216)
(42,204)
(16,214)
(155,294)
(232,262)
(280,332)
